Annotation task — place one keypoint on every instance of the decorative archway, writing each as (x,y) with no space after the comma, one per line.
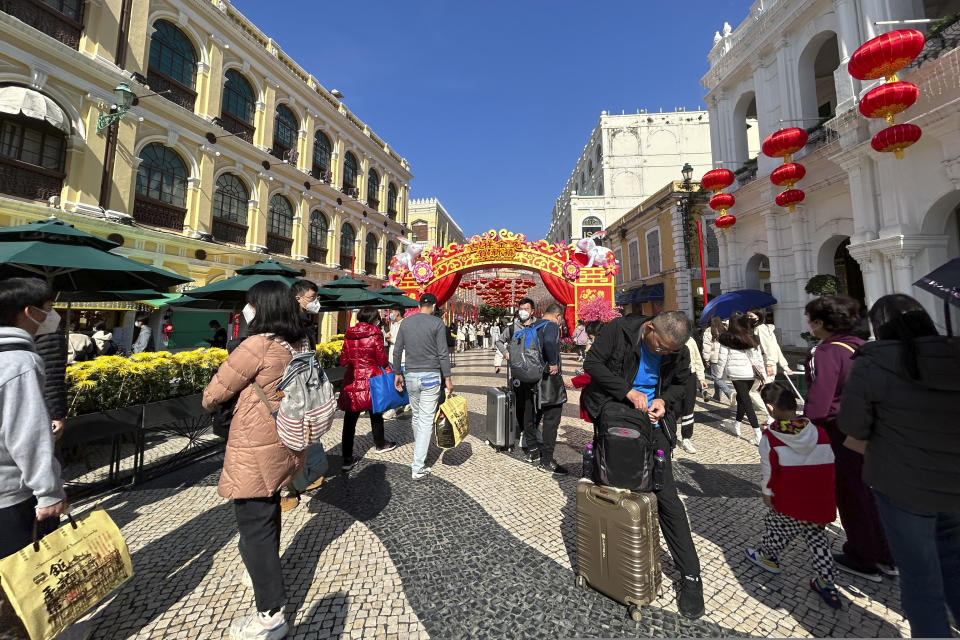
(563,268)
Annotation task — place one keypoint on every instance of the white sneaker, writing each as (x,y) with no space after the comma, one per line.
(687,445)
(246,580)
(259,627)
(734,425)
(390,414)
(423,473)
(757,434)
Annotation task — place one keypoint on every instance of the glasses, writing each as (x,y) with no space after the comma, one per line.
(659,347)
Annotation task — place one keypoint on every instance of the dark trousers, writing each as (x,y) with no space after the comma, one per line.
(744,404)
(527,415)
(551,423)
(689,404)
(350,429)
(16,530)
(673,516)
(259,522)
(926,547)
(866,544)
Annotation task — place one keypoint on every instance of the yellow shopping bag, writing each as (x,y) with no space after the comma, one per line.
(53,582)
(451,422)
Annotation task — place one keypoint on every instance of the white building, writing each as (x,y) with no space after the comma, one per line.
(627,159)
(876,222)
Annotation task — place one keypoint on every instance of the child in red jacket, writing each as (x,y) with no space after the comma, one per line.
(798,486)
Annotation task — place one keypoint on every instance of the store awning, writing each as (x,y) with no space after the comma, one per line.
(638,295)
(16,100)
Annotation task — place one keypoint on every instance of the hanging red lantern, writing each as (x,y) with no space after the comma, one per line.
(790,198)
(896,138)
(784,143)
(721,202)
(889,99)
(725,221)
(886,54)
(717,179)
(787,175)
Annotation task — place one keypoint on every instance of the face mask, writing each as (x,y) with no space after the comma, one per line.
(524,315)
(49,324)
(312,307)
(249,313)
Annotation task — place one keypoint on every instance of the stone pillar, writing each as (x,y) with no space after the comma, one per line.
(266,111)
(306,157)
(871,266)
(200,196)
(787,82)
(257,220)
(362,178)
(860,174)
(336,162)
(800,230)
(301,222)
(333,238)
(302,148)
(210,80)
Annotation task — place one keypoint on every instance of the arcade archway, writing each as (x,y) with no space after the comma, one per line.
(573,276)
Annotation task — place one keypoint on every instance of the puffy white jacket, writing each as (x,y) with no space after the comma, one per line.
(738,364)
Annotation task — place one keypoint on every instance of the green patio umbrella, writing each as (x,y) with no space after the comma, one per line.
(72,260)
(355,298)
(135,295)
(233,290)
(346,282)
(399,297)
(270,267)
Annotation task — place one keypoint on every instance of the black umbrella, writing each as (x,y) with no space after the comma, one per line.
(944,282)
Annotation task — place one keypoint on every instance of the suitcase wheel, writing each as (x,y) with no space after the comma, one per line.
(635,612)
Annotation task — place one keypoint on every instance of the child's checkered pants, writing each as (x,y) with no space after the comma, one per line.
(782,529)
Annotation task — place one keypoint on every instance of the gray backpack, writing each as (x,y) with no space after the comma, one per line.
(526,358)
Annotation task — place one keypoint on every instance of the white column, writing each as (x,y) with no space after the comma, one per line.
(871,266)
(799,227)
(861,177)
(847,40)
(787,82)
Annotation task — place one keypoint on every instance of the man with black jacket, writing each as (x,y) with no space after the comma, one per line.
(641,361)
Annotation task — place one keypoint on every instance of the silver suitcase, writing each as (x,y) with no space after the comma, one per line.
(501,418)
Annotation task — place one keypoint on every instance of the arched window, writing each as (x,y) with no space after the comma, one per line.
(59,19)
(230,201)
(590,226)
(322,150)
(370,254)
(173,64)
(599,154)
(32,156)
(420,230)
(347,239)
(350,170)
(161,188)
(373,188)
(236,111)
(284,132)
(317,237)
(391,251)
(280,225)
(392,200)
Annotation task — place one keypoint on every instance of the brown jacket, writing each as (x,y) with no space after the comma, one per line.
(256,463)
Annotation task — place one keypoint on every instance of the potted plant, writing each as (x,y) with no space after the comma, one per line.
(823,284)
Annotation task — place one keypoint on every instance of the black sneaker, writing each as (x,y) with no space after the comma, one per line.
(846,563)
(690,597)
(553,467)
(387,446)
(531,456)
(348,463)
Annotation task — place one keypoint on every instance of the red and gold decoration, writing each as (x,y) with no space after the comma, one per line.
(883,57)
(783,144)
(717,180)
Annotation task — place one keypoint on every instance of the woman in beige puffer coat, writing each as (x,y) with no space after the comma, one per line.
(257,464)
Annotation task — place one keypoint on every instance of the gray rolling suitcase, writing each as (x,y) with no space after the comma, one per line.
(501,418)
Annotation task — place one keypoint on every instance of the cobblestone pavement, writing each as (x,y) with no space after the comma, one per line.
(483,549)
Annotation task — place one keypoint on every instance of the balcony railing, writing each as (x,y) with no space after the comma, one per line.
(279,244)
(28,181)
(158,214)
(747,173)
(820,136)
(373,203)
(233,124)
(229,231)
(46,19)
(346,262)
(178,93)
(317,254)
(351,190)
(320,173)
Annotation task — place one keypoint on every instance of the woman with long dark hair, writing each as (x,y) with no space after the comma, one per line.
(257,464)
(363,355)
(839,322)
(899,404)
(711,352)
(739,358)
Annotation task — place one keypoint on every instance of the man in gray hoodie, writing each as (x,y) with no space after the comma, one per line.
(30,484)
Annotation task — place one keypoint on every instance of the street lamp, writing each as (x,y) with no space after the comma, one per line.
(125,98)
(686,172)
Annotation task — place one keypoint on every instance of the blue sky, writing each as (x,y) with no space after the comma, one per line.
(492,102)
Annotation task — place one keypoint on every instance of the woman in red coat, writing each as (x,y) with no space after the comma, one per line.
(363,354)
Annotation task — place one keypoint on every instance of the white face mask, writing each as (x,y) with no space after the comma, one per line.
(249,313)
(524,315)
(50,323)
(312,307)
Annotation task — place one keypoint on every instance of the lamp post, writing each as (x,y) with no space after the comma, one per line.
(125,98)
(686,172)
(686,202)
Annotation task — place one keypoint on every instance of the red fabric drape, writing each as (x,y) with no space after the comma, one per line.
(563,292)
(445,287)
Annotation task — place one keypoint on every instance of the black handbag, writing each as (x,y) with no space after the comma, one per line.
(551,391)
(624,450)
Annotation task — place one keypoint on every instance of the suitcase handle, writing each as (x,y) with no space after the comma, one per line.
(601,496)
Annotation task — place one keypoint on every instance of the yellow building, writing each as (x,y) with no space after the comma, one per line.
(652,242)
(431,224)
(243,152)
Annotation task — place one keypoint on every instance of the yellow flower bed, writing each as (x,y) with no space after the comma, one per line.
(109,382)
(329,352)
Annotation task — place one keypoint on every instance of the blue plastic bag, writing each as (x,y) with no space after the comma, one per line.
(384,394)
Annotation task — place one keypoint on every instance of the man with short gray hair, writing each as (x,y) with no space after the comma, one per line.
(642,361)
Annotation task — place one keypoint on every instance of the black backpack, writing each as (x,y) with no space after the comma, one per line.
(109,348)
(625,453)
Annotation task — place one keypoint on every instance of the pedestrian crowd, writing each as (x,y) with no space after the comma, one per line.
(875,436)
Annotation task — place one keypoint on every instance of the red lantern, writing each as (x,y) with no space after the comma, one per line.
(896,138)
(886,54)
(790,198)
(787,175)
(725,221)
(717,179)
(784,143)
(721,202)
(889,99)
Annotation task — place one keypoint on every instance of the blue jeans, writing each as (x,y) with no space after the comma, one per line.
(719,384)
(926,548)
(424,390)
